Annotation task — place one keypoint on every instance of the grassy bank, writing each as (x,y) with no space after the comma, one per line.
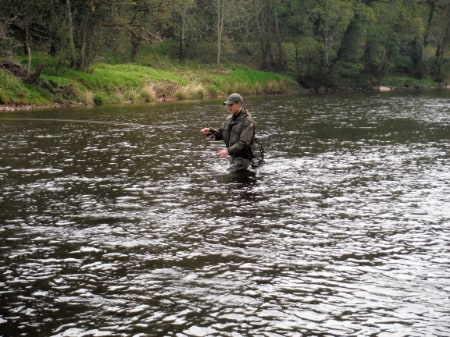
(162,79)
(131,83)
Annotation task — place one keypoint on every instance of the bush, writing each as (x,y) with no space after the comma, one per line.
(98,99)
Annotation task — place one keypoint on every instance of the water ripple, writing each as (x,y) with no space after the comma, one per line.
(120,228)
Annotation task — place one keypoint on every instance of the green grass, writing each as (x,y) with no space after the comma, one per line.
(14,91)
(165,79)
(407,82)
(119,83)
(156,75)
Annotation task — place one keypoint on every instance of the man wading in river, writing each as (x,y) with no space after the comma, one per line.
(238,133)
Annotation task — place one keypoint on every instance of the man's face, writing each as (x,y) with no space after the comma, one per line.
(234,108)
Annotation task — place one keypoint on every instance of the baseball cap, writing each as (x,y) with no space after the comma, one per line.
(233,98)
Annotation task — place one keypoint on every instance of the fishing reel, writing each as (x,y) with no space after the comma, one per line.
(211,135)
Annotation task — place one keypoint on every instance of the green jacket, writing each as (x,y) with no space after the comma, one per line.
(238,133)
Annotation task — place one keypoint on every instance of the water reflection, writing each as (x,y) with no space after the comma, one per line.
(129,225)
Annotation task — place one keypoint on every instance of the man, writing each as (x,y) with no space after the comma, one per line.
(238,133)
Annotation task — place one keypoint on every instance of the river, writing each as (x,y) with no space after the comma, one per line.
(123,221)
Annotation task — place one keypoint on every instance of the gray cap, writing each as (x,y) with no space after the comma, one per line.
(233,98)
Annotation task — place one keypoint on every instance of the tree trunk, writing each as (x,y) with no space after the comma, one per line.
(264,32)
(33,78)
(71,40)
(440,52)
(26,43)
(135,43)
(182,54)
(220,17)
(281,55)
(432,5)
(83,57)
(326,50)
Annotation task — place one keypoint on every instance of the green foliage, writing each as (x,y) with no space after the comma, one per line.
(13,90)
(10,88)
(112,84)
(98,99)
(305,61)
(250,82)
(407,82)
(348,74)
(126,50)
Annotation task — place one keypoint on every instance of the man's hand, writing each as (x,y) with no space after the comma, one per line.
(205,131)
(223,153)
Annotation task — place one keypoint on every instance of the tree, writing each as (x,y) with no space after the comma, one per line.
(331,18)
(70,33)
(438,35)
(186,5)
(321,42)
(349,63)
(220,22)
(263,15)
(145,20)
(281,54)
(26,19)
(7,18)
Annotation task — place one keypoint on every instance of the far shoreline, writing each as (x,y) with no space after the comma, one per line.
(16,107)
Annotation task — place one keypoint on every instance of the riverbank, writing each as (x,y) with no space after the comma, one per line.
(130,83)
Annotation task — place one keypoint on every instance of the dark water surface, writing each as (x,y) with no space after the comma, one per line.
(123,222)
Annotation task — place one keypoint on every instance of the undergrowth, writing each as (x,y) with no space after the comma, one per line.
(127,82)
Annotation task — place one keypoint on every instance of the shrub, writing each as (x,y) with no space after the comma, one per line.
(98,99)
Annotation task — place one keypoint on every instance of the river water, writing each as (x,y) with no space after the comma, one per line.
(122,221)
